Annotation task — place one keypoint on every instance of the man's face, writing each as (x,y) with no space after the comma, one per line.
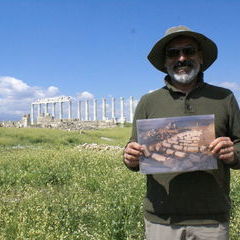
(183,59)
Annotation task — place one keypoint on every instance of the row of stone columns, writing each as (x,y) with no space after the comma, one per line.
(104,109)
(87,109)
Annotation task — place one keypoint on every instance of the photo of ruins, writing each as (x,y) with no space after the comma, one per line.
(176,144)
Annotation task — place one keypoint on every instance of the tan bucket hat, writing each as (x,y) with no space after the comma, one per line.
(208,47)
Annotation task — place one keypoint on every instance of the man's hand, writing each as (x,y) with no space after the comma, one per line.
(223,148)
(132,153)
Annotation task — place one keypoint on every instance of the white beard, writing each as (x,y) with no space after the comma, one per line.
(184,78)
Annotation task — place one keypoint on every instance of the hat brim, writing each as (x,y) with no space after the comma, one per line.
(208,47)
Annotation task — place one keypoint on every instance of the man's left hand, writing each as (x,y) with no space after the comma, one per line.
(223,148)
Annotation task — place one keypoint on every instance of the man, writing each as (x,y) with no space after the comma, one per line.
(190,205)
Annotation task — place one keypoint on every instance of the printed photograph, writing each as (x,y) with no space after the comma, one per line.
(176,144)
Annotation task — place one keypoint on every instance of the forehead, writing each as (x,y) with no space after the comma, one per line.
(182,41)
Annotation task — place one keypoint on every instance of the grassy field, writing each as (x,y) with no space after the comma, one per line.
(51,190)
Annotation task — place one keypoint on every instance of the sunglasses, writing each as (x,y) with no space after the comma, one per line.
(186,51)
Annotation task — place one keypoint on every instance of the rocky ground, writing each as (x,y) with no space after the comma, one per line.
(99,147)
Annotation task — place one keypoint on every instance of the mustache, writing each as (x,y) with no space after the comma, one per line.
(185,63)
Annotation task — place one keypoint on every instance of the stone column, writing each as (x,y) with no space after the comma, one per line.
(60,110)
(104,117)
(32,114)
(94,109)
(87,110)
(46,109)
(131,109)
(122,118)
(113,109)
(54,110)
(79,110)
(39,109)
(70,109)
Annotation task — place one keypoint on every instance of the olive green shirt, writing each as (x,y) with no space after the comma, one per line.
(200,197)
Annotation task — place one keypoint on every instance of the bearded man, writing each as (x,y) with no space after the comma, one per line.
(190,205)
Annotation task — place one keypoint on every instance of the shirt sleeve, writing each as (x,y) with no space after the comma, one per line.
(234,129)
(140,113)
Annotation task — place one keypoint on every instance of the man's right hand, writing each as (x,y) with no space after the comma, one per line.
(132,152)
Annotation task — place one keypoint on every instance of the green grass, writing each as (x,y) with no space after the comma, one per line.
(67,195)
(235,196)
(53,137)
(51,190)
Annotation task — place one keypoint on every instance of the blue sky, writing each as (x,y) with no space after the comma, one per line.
(98,48)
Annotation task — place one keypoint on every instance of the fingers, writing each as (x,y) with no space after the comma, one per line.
(221,144)
(223,148)
(132,153)
(131,164)
(226,150)
(228,157)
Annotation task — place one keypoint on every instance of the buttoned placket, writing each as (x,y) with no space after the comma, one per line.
(186,97)
(188,107)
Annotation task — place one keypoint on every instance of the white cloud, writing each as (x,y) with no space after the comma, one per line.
(52,91)
(230,85)
(85,95)
(150,91)
(11,87)
(16,97)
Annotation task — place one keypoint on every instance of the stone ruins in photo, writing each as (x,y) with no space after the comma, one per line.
(176,149)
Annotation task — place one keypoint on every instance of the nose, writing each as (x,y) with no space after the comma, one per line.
(182,57)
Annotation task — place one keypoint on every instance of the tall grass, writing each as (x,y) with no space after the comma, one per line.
(49,194)
(235,195)
(54,137)
(50,190)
